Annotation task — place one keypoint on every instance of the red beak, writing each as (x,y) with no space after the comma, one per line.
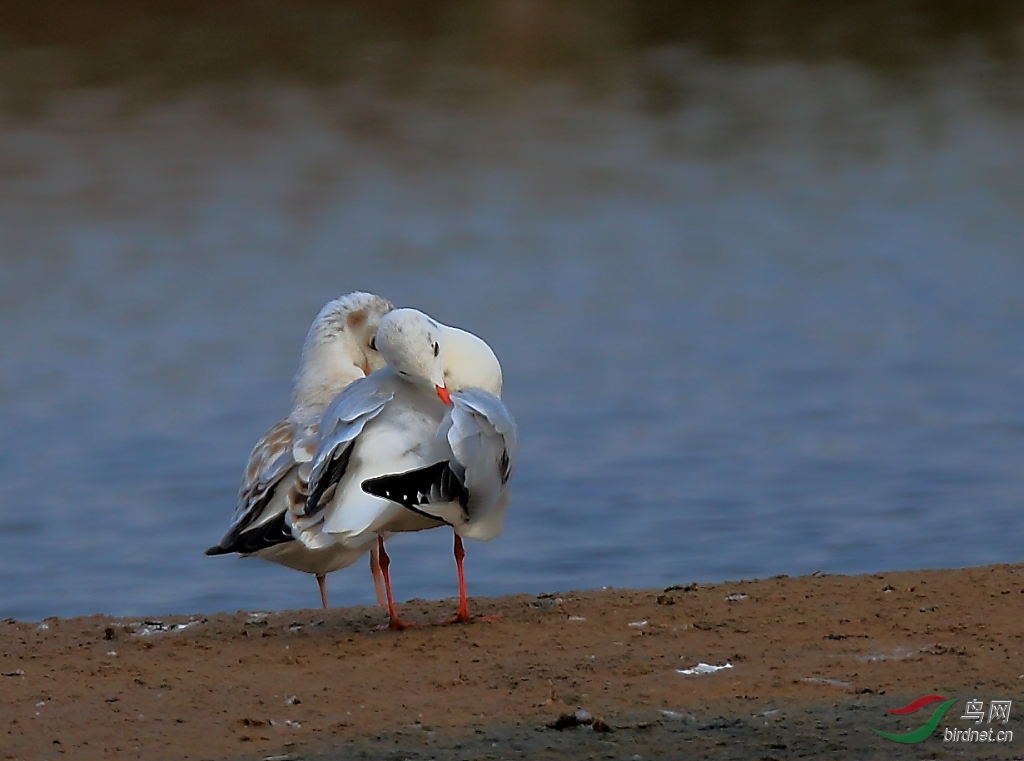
(442,394)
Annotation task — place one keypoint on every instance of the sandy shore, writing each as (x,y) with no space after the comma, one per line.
(815,661)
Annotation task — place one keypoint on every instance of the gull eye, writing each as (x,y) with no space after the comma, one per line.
(437,348)
(373,343)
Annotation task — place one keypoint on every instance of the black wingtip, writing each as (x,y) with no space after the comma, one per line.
(420,511)
(433,484)
(269,534)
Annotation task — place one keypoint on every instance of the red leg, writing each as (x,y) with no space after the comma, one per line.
(462,614)
(378,586)
(385,562)
(320,582)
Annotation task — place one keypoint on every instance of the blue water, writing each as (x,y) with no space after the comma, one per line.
(778,329)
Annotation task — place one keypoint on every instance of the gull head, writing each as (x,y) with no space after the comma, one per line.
(339,347)
(426,352)
(410,343)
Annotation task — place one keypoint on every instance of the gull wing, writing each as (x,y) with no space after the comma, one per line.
(259,518)
(339,428)
(478,443)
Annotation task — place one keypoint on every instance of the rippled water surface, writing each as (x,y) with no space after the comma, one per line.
(771,322)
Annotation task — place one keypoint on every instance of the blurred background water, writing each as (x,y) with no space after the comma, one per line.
(754,272)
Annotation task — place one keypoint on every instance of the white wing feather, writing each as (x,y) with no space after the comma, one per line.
(484,442)
(339,427)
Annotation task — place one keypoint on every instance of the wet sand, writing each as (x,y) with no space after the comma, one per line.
(815,662)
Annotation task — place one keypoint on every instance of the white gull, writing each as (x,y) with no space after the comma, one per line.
(338,350)
(424,442)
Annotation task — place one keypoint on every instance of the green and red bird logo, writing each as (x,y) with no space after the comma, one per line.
(924,731)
